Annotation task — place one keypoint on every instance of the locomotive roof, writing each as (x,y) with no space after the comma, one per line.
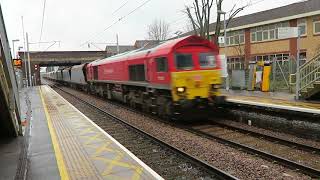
(160,49)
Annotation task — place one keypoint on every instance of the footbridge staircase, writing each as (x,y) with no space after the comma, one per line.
(309,85)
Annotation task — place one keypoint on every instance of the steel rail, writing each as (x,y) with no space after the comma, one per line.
(286,162)
(270,138)
(204,164)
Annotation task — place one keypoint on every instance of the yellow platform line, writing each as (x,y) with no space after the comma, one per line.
(59,157)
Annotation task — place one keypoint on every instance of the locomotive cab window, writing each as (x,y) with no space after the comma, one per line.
(162,64)
(137,72)
(207,60)
(184,61)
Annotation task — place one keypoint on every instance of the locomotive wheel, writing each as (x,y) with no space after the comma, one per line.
(169,109)
(153,105)
(146,106)
(161,110)
(132,104)
(165,110)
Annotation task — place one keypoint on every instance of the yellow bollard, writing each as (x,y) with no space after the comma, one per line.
(266,78)
(252,75)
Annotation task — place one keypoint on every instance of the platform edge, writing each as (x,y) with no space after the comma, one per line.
(151,171)
(59,157)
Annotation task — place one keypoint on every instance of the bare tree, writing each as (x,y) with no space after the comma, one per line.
(200,17)
(234,11)
(218,20)
(240,50)
(158,30)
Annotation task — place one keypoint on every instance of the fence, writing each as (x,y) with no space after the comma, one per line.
(279,79)
(280,75)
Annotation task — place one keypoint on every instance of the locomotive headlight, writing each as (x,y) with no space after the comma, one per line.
(215,86)
(181,89)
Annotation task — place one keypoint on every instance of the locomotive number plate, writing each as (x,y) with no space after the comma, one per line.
(197,78)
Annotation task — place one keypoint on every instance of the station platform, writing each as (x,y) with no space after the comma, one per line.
(65,144)
(275,100)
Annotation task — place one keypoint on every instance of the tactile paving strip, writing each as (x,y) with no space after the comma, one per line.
(87,152)
(76,159)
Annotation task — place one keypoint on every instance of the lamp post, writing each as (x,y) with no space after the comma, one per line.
(29,64)
(13,53)
(298,66)
(225,46)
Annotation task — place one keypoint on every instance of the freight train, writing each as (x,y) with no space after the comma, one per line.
(176,75)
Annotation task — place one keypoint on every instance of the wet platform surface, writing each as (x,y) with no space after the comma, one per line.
(60,142)
(82,150)
(280,101)
(10,149)
(13,151)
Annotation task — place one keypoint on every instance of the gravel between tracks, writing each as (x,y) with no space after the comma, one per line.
(308,158)
(284,136)
(237,163)
(295,125)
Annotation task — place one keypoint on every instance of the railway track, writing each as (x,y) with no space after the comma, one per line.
(296,145)
(256,146)
(313,172)
(168,161)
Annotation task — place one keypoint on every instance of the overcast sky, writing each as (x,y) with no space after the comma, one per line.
(74,22)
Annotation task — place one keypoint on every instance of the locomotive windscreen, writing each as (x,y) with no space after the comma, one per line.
(137,72)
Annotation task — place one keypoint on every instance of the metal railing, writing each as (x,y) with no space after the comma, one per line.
(309,73)
(281,72)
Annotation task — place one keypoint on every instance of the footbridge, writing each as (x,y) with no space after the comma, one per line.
(57,58)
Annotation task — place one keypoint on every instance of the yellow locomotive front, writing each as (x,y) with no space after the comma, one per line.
(197,78)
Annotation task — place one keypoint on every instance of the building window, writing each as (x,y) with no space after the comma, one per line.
(235,63)
(272,34)
(302,25)
(316,27)
(266,33)
(281,58)
(303,58)
(235,38)
(162,64)
(253,37)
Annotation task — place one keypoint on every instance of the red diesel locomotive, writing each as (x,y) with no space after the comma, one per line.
(177,74)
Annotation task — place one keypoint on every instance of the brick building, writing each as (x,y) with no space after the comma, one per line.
(255,36)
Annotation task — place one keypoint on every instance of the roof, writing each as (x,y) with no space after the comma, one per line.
(63,54)
(137,45)
(142,43)
(122,49)
(290,10)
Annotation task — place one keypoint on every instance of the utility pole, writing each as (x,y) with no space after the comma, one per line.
(24,52)
(118,49)
(225,45)
(225,48)
(298,67)
(29,64)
